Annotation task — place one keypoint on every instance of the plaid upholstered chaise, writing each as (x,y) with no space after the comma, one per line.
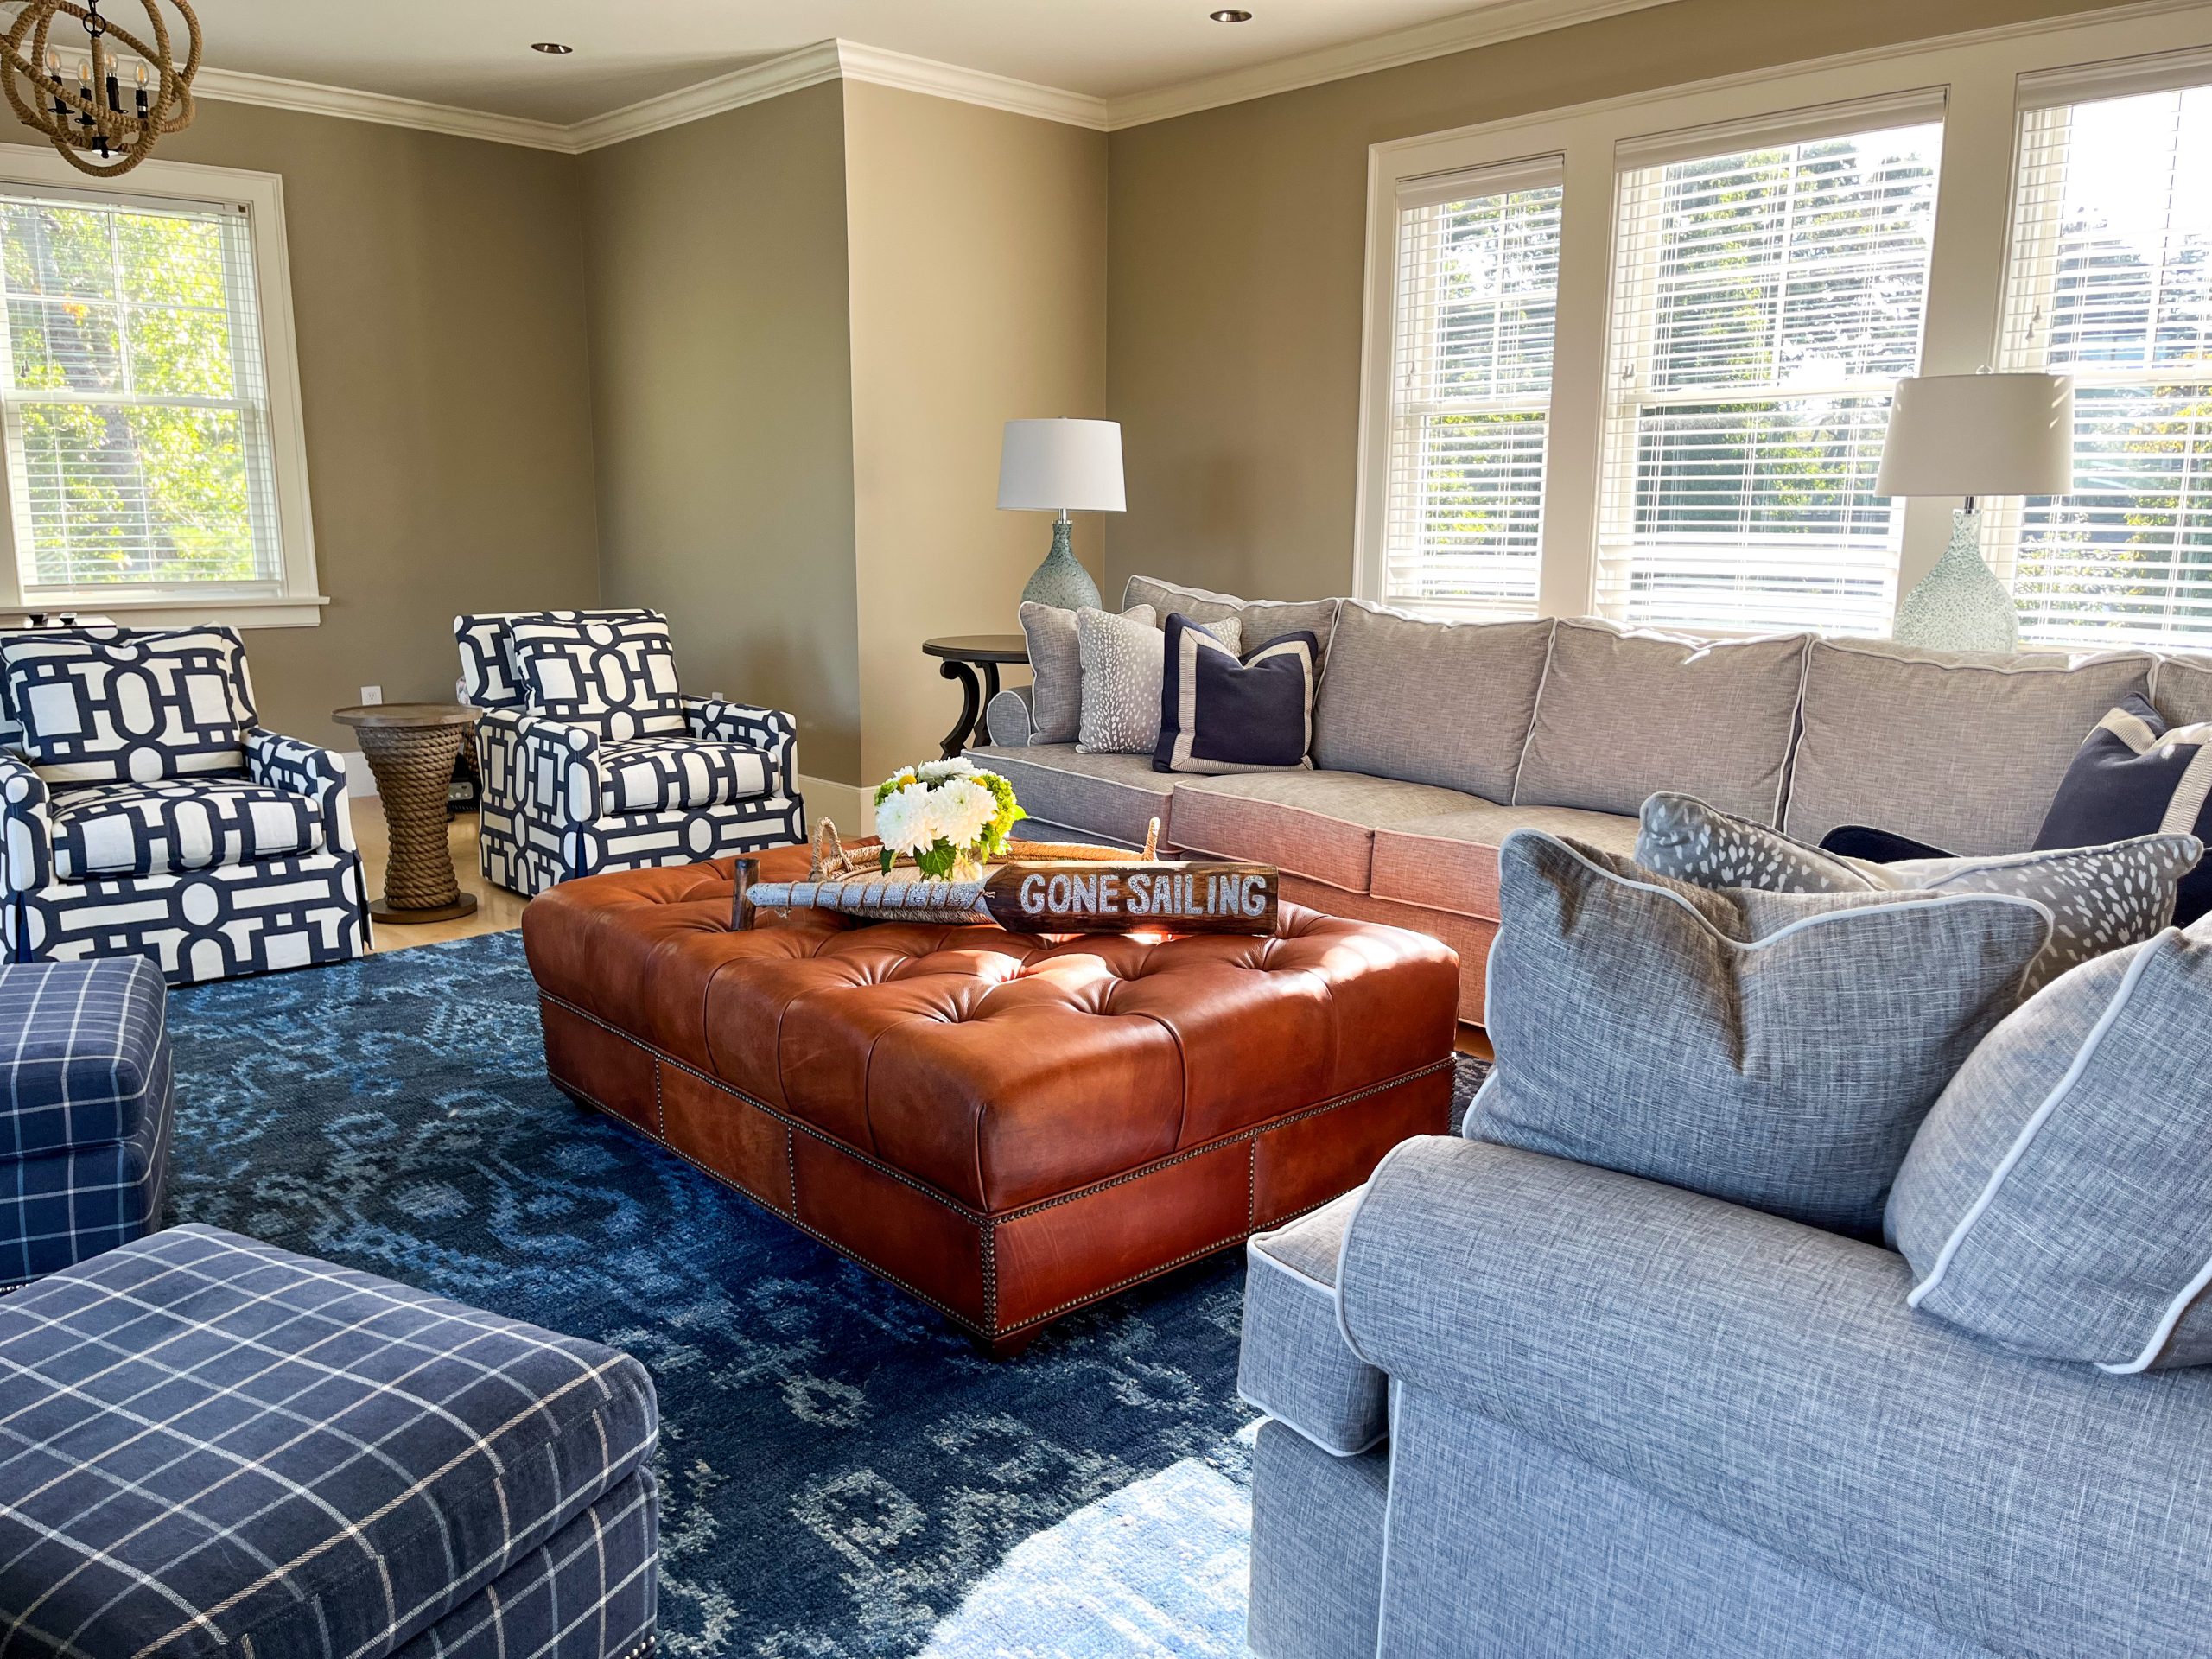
(217,1447)
(85,1111)
(147,813)
(593,760)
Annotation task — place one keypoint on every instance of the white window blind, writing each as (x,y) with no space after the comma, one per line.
(1470,386)
(1767,294)
(134,403)
(2111,282)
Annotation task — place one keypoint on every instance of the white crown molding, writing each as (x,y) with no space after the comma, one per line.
(807,66)
(1506,20)
(311,97)
(883,68)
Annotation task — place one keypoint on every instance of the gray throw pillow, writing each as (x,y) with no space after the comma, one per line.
(1776,1050)
(1056,668)
(2058,1200)
(1263,620)
(1124,664)
(2099,898)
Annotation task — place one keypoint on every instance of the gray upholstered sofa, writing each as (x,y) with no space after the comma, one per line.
(1433,740)
(1625,1420)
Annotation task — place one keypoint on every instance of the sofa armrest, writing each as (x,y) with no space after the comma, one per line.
(1010,718)
(1769,1377)
(26,854)
(772,731)
(299,767)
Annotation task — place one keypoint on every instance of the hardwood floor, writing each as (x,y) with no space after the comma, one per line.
(497,909)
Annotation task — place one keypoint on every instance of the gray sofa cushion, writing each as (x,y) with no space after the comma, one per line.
(1622,714)
(1262,618)
(1776,1050)
(1116,795)
(1769,1378)
(2181,690)
(1446,703)
(1449,862)
(1293,1365)
(1957,751)
(1056,668)
(2056,1198)
(1319,824)
(2099,898)
(1316,1549)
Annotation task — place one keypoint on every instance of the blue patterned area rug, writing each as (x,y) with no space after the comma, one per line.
(841,1472)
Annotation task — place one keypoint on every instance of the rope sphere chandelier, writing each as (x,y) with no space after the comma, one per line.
(76,92)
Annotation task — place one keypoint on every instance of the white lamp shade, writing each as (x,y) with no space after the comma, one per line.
(1979,435)
(1062,465)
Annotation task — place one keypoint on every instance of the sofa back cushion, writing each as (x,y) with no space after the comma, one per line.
(1623,714)
(1446,703)
(617,677)
(490,677)
(1263,619)
(128,706)
(2181,690)
(1962,751)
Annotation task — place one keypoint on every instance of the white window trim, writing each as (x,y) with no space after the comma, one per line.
(1980,76)
(295,601)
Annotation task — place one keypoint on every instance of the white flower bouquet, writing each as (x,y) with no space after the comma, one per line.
(949,816)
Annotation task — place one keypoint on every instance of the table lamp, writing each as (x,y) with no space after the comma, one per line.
(1062,467)
(1973,434)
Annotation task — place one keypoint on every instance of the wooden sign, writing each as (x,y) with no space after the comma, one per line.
(1134,898)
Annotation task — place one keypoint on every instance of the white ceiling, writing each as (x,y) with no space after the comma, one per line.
(475,53)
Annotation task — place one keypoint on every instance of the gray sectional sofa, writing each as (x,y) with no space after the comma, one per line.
(1433,740)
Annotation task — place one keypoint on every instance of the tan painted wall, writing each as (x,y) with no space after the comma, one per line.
(438,285)
(978,244)
(723,399)
(1237,254)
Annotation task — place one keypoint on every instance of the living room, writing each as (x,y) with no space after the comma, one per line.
(1119,828)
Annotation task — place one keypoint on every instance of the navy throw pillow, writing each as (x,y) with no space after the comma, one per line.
(1220,713)
(1876,846)
(2134,776)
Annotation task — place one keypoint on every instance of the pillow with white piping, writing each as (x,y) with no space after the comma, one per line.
(2058,1199)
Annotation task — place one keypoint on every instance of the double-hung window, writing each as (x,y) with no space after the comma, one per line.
(151,454)
(2111,282)
(1471,382)
(1769,286)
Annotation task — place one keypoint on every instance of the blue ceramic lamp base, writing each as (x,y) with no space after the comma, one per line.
(1061,580)
(1960,605)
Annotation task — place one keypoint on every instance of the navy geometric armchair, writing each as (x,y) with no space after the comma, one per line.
(594,759)
(147,813)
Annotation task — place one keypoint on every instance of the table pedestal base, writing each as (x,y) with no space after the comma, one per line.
(383,909)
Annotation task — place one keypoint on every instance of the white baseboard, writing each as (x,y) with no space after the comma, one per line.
(849,807)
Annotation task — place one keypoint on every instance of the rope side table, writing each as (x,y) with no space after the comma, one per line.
(411,748)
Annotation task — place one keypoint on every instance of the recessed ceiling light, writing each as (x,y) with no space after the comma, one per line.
(1230,17)
(551,49)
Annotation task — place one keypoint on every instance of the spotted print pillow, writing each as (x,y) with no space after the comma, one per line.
(1124,664)
(2099,898)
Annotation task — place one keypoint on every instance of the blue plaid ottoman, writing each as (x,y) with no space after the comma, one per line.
(212,1447)
(84,1110)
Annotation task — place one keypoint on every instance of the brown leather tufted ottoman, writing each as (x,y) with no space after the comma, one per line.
(1008,1126)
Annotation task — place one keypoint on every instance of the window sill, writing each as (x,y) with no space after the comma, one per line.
(168,611)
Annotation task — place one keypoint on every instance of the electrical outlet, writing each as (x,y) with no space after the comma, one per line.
(371,695)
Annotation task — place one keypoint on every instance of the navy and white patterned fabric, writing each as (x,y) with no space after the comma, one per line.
(489,676)
(150,828)
(2135,776)
(86,1108)
(216,1446)
(111,705)
(616,677)
(211,876)
(1221,714)
(560,800)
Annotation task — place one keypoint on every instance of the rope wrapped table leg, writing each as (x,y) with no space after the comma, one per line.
(413,760)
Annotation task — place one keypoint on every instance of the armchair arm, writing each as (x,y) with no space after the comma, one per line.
(559,767)
(1010,717)
(299,767)
(1769,1377)
(770,730)
(26,853)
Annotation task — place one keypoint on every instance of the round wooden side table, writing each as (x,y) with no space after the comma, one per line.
(962,655)
(411,747)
